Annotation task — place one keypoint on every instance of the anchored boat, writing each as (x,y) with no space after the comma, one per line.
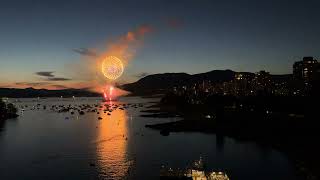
(195,172)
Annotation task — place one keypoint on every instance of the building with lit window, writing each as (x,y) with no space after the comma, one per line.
(262,83)
(306,69)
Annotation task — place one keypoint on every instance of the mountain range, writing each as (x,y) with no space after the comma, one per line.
(160,83)
(151,84)
(31,93)
(157,83)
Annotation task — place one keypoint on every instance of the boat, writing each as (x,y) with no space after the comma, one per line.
(195,172)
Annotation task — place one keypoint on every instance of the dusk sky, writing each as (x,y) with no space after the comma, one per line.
(191,36)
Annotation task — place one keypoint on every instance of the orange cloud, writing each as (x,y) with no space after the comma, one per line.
(126,46)
(130,36)
(86,73)
(144,29)
(174,23)
(88,70)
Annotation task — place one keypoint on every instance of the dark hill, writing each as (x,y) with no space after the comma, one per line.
(159,83)
(31,92)
(214,76)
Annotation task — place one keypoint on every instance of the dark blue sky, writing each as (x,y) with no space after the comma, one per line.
(238,35)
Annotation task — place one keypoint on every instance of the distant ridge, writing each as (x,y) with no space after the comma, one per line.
(151,84)
(159,83)
(31,93)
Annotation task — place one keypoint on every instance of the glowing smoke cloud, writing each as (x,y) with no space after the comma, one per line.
(94,71)
(86,73)
(126,46)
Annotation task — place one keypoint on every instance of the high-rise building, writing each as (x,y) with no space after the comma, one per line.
(262,83)
(306,69)
(242,83)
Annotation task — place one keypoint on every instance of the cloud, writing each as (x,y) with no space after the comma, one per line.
(124,46)
(174,23)
(131,36)
(58,79)
(86,52)
(138,33)
(33,84)
(127,45)
(57,86)
(49,76)
(45,73)
(141,75)
(37,85)
(143,29)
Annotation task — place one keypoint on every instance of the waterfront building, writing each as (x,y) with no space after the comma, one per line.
(262,83)
(195,172)
(306,69)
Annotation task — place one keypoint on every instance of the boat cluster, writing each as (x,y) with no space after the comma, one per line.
(81,109)
(196,171)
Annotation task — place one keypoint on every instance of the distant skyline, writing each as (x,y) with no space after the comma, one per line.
(41,39)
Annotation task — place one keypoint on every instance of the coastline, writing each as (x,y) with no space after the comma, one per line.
(276,130)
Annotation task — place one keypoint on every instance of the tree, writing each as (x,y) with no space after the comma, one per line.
(2,109)
(11,109)
(7,110)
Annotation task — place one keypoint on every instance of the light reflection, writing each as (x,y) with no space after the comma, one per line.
(112,144)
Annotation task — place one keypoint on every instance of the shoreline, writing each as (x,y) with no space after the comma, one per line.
(298,147)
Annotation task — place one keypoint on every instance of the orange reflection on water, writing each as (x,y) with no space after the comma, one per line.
(112,144)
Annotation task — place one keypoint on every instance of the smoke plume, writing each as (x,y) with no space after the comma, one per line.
(124,47)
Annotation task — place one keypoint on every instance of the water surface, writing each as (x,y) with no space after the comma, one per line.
(43,144)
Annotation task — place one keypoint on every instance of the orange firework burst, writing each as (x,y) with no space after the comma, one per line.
(112,67)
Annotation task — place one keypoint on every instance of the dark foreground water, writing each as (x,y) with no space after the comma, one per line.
(43,144)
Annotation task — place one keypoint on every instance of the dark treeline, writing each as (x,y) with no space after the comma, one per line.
(288,123)
(32,93)
(7,111)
